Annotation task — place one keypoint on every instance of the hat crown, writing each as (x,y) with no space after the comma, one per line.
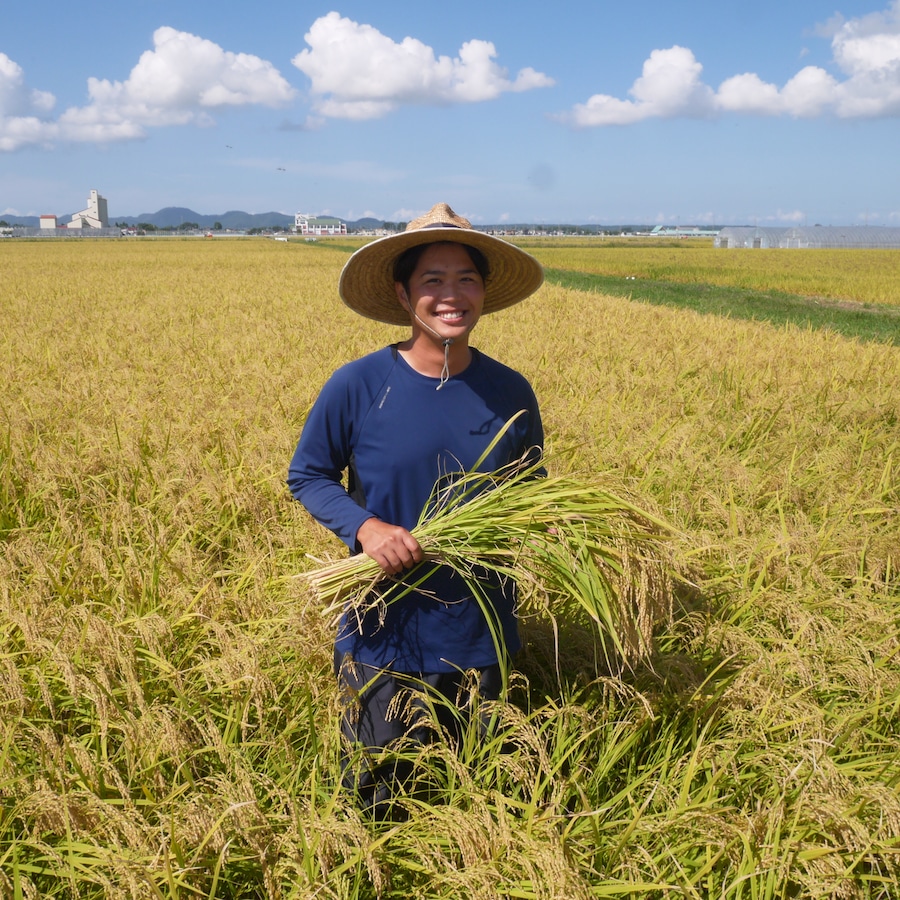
(367,279)
(440,215)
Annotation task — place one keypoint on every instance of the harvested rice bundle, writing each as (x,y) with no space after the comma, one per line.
(572,547)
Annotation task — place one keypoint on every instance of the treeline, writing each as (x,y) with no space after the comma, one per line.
(191,227)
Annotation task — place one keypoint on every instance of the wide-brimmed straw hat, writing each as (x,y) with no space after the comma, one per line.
(367,279)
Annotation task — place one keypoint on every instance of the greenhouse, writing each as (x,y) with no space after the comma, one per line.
(749,237)
(812,237)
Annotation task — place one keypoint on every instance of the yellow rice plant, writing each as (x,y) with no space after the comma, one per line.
(864,276)
(170,723)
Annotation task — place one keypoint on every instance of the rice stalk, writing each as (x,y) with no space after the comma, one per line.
(572,546)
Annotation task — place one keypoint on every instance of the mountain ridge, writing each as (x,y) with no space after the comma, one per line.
(239,220)
(174,216)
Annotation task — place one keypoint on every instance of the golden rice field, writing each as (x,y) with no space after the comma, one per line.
(168,719)
(867,276)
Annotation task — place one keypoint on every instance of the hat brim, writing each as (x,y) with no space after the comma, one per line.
(367,279)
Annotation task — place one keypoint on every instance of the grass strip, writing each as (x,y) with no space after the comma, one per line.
(854,320)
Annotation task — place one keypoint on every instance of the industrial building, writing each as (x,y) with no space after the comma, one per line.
(683,231)
(873,237)
(95,216)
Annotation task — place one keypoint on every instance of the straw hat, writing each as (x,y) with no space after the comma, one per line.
(367,279)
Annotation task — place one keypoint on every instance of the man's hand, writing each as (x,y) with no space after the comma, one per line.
(392,547)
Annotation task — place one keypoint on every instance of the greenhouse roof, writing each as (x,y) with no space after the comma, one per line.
(811,237)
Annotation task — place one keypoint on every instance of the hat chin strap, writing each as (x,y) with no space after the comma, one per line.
(445,371)
(446,342)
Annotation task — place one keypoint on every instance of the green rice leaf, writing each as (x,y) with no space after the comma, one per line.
(575,549)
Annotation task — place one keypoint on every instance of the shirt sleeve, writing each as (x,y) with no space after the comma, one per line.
(324,451)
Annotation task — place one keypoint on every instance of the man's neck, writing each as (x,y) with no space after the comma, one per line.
(426,355)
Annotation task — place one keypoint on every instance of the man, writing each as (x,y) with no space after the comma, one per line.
(400,421)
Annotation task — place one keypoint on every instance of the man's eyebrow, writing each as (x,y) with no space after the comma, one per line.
(441,271)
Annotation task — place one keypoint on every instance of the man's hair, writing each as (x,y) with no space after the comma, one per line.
(405,264)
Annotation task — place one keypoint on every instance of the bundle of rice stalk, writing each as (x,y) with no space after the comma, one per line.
(571,546)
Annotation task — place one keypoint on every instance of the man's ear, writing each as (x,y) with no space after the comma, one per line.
(402,296)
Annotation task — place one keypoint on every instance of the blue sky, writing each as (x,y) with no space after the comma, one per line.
(588,111)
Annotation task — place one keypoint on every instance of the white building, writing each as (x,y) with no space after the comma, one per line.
(304,224)
(95,216)
(48,223)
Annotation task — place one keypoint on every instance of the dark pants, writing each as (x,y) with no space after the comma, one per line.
(386,710)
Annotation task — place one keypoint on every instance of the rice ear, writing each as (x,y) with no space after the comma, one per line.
(575,548)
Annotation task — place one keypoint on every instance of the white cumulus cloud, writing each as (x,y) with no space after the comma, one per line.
(178,82)
(866,53)
(795,216)
(669,86)
(867,50)
(23,109)
(356,72)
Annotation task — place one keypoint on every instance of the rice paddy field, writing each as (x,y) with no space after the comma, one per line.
(169,725)
(865,276)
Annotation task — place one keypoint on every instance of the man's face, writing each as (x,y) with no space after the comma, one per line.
(446,293)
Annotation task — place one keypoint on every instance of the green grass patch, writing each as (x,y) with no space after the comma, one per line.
(854,320)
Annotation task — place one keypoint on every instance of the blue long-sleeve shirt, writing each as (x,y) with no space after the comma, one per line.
(385,423)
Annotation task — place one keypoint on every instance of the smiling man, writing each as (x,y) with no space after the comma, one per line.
(399,421)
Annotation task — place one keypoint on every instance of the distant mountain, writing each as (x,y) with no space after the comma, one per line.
(173,216)
(368,224)
(236,220)
(24,221)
